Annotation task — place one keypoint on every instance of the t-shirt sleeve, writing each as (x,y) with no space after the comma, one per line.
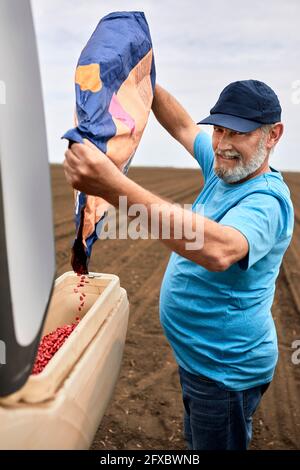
(204,154)
(261,218)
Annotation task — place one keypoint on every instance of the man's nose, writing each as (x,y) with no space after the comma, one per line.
(224,143)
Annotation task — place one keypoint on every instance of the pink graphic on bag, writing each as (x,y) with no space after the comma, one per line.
(118,112)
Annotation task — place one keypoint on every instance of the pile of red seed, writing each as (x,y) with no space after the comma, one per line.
(50,344)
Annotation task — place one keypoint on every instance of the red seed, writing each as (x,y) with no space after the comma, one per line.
(50,344)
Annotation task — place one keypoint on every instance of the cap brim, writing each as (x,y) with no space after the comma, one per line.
(234,123)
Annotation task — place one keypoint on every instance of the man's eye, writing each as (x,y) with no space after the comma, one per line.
(237,133)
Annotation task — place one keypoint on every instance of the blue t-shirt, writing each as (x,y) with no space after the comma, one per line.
(219,324)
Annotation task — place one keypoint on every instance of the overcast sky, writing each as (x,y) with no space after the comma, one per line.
(199,48)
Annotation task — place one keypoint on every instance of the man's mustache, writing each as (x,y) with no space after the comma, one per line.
(228,153)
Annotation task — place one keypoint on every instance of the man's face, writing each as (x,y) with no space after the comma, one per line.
(238,155)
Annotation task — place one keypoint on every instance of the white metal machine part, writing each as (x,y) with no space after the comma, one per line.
(27,254)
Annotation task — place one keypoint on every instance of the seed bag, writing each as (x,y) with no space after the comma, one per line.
(114,83)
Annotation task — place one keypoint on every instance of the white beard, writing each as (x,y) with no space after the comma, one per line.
(241,170)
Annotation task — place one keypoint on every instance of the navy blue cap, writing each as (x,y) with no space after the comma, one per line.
(244,106)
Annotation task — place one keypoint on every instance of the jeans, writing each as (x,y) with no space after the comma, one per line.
(214,418)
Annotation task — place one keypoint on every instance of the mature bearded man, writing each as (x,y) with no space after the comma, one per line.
(215,303)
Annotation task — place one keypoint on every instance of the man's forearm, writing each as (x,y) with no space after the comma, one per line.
(169,112)
(222,245)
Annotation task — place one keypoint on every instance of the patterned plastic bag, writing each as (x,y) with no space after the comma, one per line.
(114,81)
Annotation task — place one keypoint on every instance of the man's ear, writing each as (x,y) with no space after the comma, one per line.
(274,135)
